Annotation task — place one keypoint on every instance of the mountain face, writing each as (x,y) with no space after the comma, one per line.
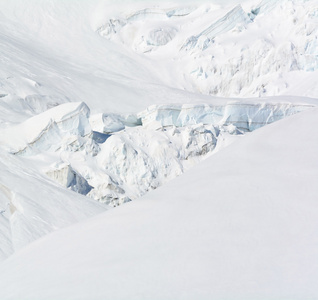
(105,103)
(231,53)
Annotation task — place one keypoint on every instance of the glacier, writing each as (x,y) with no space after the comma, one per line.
(115,158)
(169,148)
(235,18)
(240,225)
(47,130)
(237,55)
(244,116)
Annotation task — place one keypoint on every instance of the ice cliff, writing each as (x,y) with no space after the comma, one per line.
(123,157)
(244,116)
(62,125)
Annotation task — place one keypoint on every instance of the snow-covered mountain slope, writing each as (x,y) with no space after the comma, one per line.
(52,55)
(53,52)
(102,102)
(124,162)
(240,225)
(31,206)
(242,50)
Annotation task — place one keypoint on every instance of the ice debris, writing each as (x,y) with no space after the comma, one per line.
(126,156)
(66,176)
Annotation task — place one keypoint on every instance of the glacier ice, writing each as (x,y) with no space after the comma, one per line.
(63,124)
(236,17)
(110,122)
(141,159)
(108,158)
(160,36)
(180,11)
(65,175)
(170,139)
(238,54)
(115,159)
(244,116)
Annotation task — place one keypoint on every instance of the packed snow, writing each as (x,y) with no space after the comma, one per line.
(167,148)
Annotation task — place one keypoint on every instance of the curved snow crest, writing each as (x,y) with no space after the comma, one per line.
(245,116)
(46,131)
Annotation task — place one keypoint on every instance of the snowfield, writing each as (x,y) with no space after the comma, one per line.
(241,225)
(158,150)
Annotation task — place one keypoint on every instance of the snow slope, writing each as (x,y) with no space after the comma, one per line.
(138,153)
(102,102)
(259,48)
(31,206)
(241,225)
(51,53)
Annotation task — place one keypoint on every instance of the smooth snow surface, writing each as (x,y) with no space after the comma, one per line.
(102,102)
(32,207)
(240,226)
